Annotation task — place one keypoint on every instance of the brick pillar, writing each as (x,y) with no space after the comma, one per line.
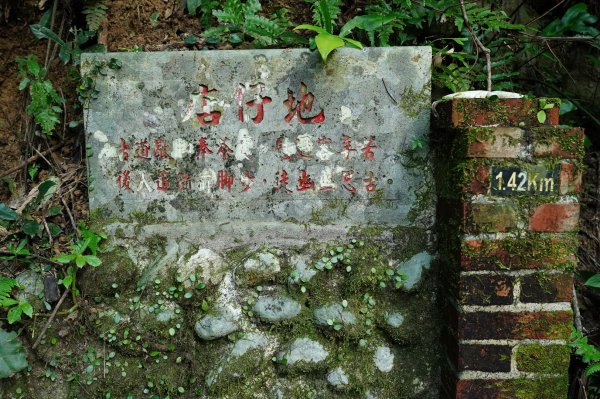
(508,217)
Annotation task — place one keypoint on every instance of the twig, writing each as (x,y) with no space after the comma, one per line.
(31,159)
(54,7)
(52,316)
(70,216)
(388,92)
(576,313)
(479,44)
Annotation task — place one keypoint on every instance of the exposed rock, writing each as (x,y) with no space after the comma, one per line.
(212,327)
(305,350)
(337,378)
(206,261)
(302,272)
(333,312)
(384,359)
(260,267)
(33,286)
(276,309)
(394,319)
(248,342)
(413,268)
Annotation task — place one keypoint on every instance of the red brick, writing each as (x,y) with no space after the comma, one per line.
(498,142)
(489,218)
(547,288)
(489,358)
(480,182)
(529,252)
(515,325)
(522,388)
(483,112)
(562,142)
(486,289)
(570,179)
(559,217)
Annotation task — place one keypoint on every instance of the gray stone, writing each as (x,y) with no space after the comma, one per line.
(161,90)
(394,319)
(370,395)
(276,308)
(248,342)
(212,327)
(302,272)
(207,263)
(258,268)
(384,359)
(335,312)
(337,378)
(305,350)
(414,269)
(33,286)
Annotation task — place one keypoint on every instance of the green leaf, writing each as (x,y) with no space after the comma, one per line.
(67,281)
(323,7)
(31,228)
(353,43)
(311,27)
(6,213)
(12,354)
(23,84)
(326,43)
(64,258)
(26,308)
(41,32)
(14,315)
(593,281)
(80,261)
(541,116)
(92,260)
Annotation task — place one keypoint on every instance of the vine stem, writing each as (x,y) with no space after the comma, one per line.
(486,51)
(52,316)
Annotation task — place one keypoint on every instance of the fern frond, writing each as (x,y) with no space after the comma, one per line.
(325,12)
(262,29)
(6,286)
(592,369)
(95,12)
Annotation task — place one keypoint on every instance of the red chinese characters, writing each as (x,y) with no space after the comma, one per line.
(124,180)
(142,150)
(281,182)
(224,151)
(369,147)
(258,102)
(347,145)
(207,117)
(161,149)
(347,177)
(163,183)
(185,182)
(124,150)
(369,181)
(305,182)
(203,148)
(224,180)
(304,105)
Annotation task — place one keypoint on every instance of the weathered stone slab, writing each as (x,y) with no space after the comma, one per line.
(265,135)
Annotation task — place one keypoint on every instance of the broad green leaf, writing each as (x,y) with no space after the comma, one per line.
(325,15)
(326,43)
(67,281)
(311,27)
(7,302)
(31,228)
(353,43)
(593,281)
(12,354)
(92,260)
(80,261)
(64,258)
(23,84)
(14,314)
(41,32)
(541,116)
(6,213)
(26,308)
